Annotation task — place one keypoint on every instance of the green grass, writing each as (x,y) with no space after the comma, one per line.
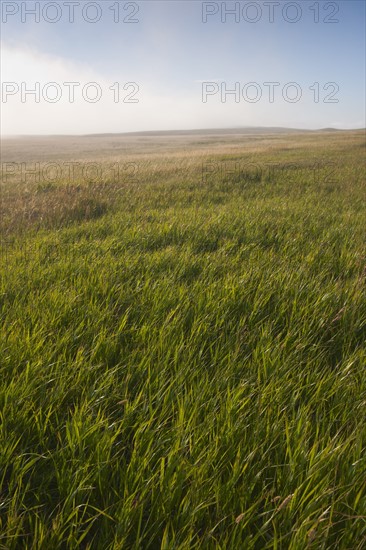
(183,359)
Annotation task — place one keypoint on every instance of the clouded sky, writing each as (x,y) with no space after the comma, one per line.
(117,66)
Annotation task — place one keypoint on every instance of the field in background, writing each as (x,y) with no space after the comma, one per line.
(182,346)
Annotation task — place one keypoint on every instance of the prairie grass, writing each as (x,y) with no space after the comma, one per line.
(182,357)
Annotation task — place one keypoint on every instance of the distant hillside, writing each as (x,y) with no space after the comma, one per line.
(250,130)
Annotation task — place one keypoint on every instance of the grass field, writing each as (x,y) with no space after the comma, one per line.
(182,344)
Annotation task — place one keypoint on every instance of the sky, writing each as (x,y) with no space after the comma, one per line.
(81,67)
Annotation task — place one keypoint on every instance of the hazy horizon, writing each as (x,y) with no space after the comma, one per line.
(121,67)
(233,130)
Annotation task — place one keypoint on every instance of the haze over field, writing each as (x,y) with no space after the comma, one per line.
(152,66)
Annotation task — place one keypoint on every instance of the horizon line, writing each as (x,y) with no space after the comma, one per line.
(239,129)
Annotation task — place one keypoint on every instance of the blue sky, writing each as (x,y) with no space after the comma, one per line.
(170,53)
